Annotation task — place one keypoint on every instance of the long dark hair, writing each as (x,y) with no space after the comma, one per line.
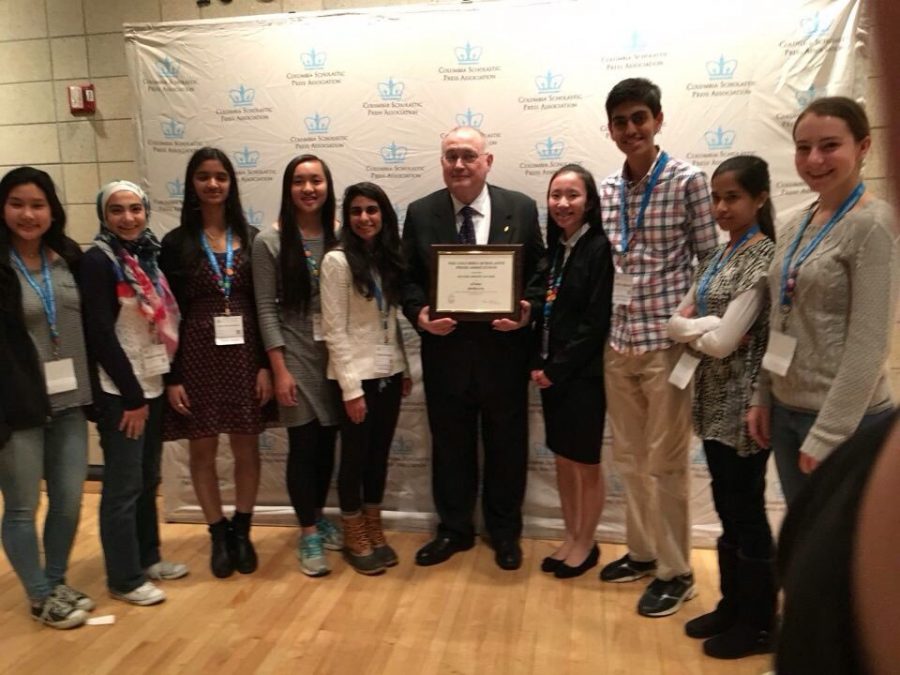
(55,237)
(191,218)
(384,256)
(591,205)
(296,281)
(752,174)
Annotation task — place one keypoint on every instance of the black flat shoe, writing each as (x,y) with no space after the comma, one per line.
(550,565)
(566,572)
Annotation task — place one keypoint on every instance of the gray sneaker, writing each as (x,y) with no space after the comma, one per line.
(166,571)
(311,552)
(77,599)
(332,537)
(57,613)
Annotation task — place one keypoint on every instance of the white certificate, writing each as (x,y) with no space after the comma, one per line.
(476,280)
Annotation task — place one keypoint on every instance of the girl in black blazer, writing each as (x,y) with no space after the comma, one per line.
(569,371)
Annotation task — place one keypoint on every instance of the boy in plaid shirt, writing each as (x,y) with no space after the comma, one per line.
(657,214)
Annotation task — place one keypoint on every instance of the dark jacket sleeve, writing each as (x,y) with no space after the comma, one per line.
(536,262)
(171,265)
(415,280)
(593,316)
(100,309)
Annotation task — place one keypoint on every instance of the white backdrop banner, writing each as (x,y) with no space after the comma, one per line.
(372,91)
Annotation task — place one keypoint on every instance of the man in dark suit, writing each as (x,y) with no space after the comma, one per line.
(474,370)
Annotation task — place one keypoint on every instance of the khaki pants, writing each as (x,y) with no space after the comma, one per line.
(651,428)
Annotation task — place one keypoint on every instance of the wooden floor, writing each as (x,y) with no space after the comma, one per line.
(465,616)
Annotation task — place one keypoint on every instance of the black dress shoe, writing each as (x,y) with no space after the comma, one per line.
(550,564)
(567,572)
(439,550)
(508,554)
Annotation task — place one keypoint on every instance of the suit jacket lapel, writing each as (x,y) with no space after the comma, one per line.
(445,221)
(501,218)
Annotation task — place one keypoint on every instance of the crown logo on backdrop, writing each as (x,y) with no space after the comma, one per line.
(719,138)
(242,96)
(392,90)
(635,42)
(814,26)
(175,189)
(468,54)
(168,67)
(246,158)
(172,128)
(549,83)
(317,124)
(550,149)
(470,119)
(393,153)
(721,69)
(806,96)
(313,60)
(254,218)
(401,447)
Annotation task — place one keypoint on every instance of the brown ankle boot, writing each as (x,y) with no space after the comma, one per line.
(357,549)
(383,551)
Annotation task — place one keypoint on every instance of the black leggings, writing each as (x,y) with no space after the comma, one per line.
(309,467)
(365,447)
(739,487)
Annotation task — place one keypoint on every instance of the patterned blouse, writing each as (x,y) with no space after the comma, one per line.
(723,387)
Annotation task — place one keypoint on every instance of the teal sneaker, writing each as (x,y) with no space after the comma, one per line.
(311,553)
(332,537)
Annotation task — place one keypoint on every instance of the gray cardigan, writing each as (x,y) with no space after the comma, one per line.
(305,358)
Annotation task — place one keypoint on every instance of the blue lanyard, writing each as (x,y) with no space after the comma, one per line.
(223,280)
(311,264)
(382,309)
(716,266)
(554,280)
(44,292)
(791,267)
(645,201)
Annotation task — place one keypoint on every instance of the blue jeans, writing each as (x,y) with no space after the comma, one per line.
(56,452)
(129,530)
(789,430)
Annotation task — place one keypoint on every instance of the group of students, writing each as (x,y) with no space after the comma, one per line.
(189,338)
(768,343)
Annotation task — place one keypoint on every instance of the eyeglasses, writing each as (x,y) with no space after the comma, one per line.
(465,156)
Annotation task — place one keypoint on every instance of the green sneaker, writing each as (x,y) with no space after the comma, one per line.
(311,553)
(332,537)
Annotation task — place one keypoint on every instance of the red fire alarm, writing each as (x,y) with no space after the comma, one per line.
(81,99)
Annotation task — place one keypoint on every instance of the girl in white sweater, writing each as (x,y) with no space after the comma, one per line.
(360,293)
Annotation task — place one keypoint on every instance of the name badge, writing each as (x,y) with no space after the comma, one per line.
(155,361)
(60,376)
(622,285)
(684,370)
(779,353)
(318,333)
(384,360)
(229,329)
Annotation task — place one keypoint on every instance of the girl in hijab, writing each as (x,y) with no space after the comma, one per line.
(131,326)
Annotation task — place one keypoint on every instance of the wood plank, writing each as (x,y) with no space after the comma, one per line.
(465,616)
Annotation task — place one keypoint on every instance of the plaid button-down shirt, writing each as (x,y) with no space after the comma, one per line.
(678,227)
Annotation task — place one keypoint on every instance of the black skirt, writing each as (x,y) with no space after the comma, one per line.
(574,414)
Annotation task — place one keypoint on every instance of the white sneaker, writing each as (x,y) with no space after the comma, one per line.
(166,571)
(145,594)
